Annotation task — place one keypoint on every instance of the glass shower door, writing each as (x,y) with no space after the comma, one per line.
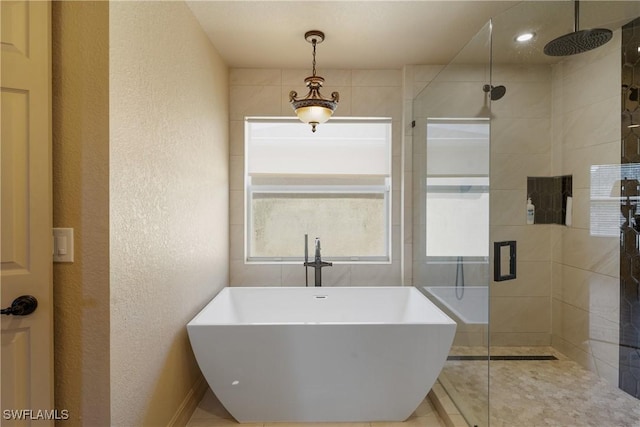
(450,228)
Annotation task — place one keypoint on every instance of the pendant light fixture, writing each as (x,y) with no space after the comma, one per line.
(313,108)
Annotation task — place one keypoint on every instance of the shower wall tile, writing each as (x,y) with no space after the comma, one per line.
(585,131)
(520,314)
(605,357)
(408,270)
(592,125)
(376,78)
(607,372)
(576,354)
(383,101)
(578,162)
(397,141)
(597,254)
(533,280)
(520,136)
(580,89)
(463,73)
(337,275)
(572,324)
(236,173)
(408,72)
(426,73)
(520,73)
(396,175)
(586,290)
(338,77)
(507,207)
(255,77)
(510,171)
(236,207)
(603,330)
(439,102)
(512,105)
(236,244)
(581,208)
(255,92)
(513,339)
(579,62)
(242,274)
(533,241)
(396,244)
(236,138)
(254,101)
(374,275)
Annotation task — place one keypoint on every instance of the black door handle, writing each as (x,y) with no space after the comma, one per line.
(21,306)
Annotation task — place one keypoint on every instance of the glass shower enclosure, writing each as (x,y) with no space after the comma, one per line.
(502,123)
(450,149)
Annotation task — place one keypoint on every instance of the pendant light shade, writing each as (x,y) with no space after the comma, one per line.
(313,108)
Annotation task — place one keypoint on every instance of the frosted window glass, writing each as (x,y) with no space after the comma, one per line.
(349,225)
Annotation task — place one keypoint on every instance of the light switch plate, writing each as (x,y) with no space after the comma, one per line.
(63,245)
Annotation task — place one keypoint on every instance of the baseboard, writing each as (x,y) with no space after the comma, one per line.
(189,404)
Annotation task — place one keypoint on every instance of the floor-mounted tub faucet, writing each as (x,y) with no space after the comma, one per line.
(317,263)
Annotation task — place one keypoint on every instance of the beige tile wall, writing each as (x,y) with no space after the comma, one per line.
(585,268)
(521,147)
(265,92)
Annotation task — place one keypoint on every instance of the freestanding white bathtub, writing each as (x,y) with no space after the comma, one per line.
(321,354)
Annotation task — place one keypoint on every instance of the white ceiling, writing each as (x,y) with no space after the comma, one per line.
(388,34)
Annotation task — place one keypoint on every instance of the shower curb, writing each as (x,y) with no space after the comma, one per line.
(445,407)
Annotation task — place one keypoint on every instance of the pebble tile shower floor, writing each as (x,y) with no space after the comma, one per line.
(535,393)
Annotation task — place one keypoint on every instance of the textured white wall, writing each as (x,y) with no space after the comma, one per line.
(169,228)
(80,57)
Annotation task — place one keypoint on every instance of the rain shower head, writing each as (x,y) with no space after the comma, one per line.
(497,92)
(578,41)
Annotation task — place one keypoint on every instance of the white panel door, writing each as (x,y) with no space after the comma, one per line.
(26,354)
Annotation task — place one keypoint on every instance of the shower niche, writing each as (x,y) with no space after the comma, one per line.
(552,198)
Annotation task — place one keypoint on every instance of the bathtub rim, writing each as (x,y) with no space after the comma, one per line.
(412,292)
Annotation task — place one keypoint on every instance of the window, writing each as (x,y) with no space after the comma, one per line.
(334,184)
(457,189)
(614,193)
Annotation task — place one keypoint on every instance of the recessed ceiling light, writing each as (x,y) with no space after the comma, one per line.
(524,37)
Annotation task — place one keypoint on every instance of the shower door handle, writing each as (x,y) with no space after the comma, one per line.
(498,248)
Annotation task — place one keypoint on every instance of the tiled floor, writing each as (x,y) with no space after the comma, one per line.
(210,413)
(557,393)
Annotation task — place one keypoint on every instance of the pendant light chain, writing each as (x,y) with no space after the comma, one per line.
(314,57)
